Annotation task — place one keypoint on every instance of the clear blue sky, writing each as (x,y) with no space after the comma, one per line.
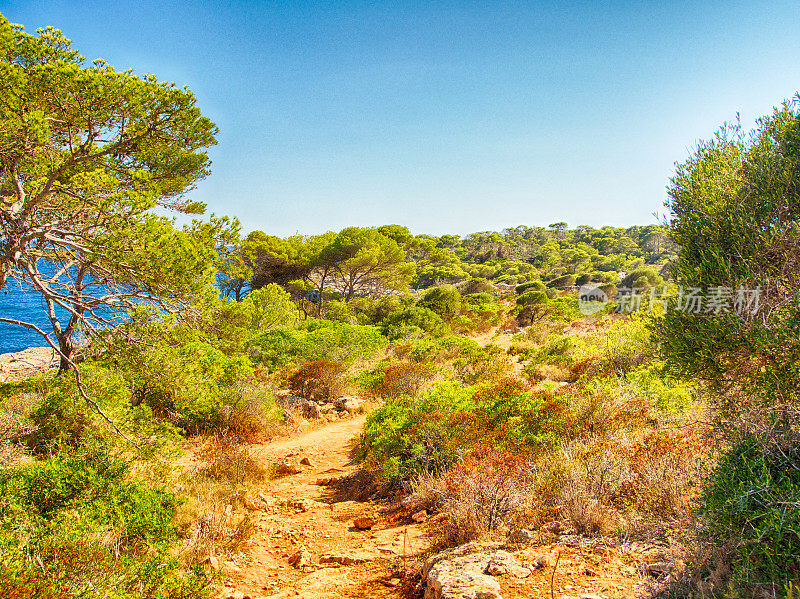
(446,117)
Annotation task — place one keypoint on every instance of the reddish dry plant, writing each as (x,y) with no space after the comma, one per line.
(486,492)
(319,379)
(507,386)
(403,379)
(637,485)
(663,465)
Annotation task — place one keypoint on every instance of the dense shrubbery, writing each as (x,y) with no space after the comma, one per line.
(89,527)
(736,209)
(318,379)
(402,379)
(430,432)
(412,323)
(315,339)
(444,300)
(753,494)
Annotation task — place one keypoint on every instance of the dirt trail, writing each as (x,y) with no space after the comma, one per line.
(298,519)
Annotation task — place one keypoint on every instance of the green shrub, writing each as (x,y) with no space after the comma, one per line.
(79,524)
(564,281)
(532,306)
(341,311)
(530,286)
(565,308)
(403,379)
(479,299)
(558,350)
(642,278)
(373,311)
(412,322)
(749,504)
(475,286)
(60,421)
(531,298)
(524,418)
(670,395)
(414,434)
(446,348)
(316,339)
(444,300)
(266,308)
(428,433)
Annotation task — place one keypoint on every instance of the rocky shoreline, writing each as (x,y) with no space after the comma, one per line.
(20,365)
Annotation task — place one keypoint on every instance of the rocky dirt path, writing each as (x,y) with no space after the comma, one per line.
(305,542)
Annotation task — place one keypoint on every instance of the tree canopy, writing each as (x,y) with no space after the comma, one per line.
(87,153)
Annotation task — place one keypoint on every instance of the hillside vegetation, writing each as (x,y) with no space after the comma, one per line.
(450,404)
(497,399)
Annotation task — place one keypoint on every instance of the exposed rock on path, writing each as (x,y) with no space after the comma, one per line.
(26,363)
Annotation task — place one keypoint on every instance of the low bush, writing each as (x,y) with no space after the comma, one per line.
(563,281)
(489,365)
(369,311)
(78,525)
(530,286)
(558,350)
(482,299)
(318,380)
(486,493)
(403,379)
(474,286)
(628,483)
(749,506)
(412,323)
(59,421)
(642,278)
(443,300)
(530,298)
(417,434)
(254,415)
(565,308)
(536,373)
(430,432)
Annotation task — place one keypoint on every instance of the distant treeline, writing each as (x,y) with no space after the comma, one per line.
(380,261)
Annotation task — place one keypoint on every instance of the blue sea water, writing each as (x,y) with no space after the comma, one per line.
(22,305)
(28,306)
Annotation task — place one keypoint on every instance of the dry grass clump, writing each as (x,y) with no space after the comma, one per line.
(485,494)
(510,325)
(15,428)
(629,484)
(215,518)
(493,365)
(604,414)
(230,461)
(548,372)
(361,485)
(428,492)
(588,479)
(401,350)
(254,417)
